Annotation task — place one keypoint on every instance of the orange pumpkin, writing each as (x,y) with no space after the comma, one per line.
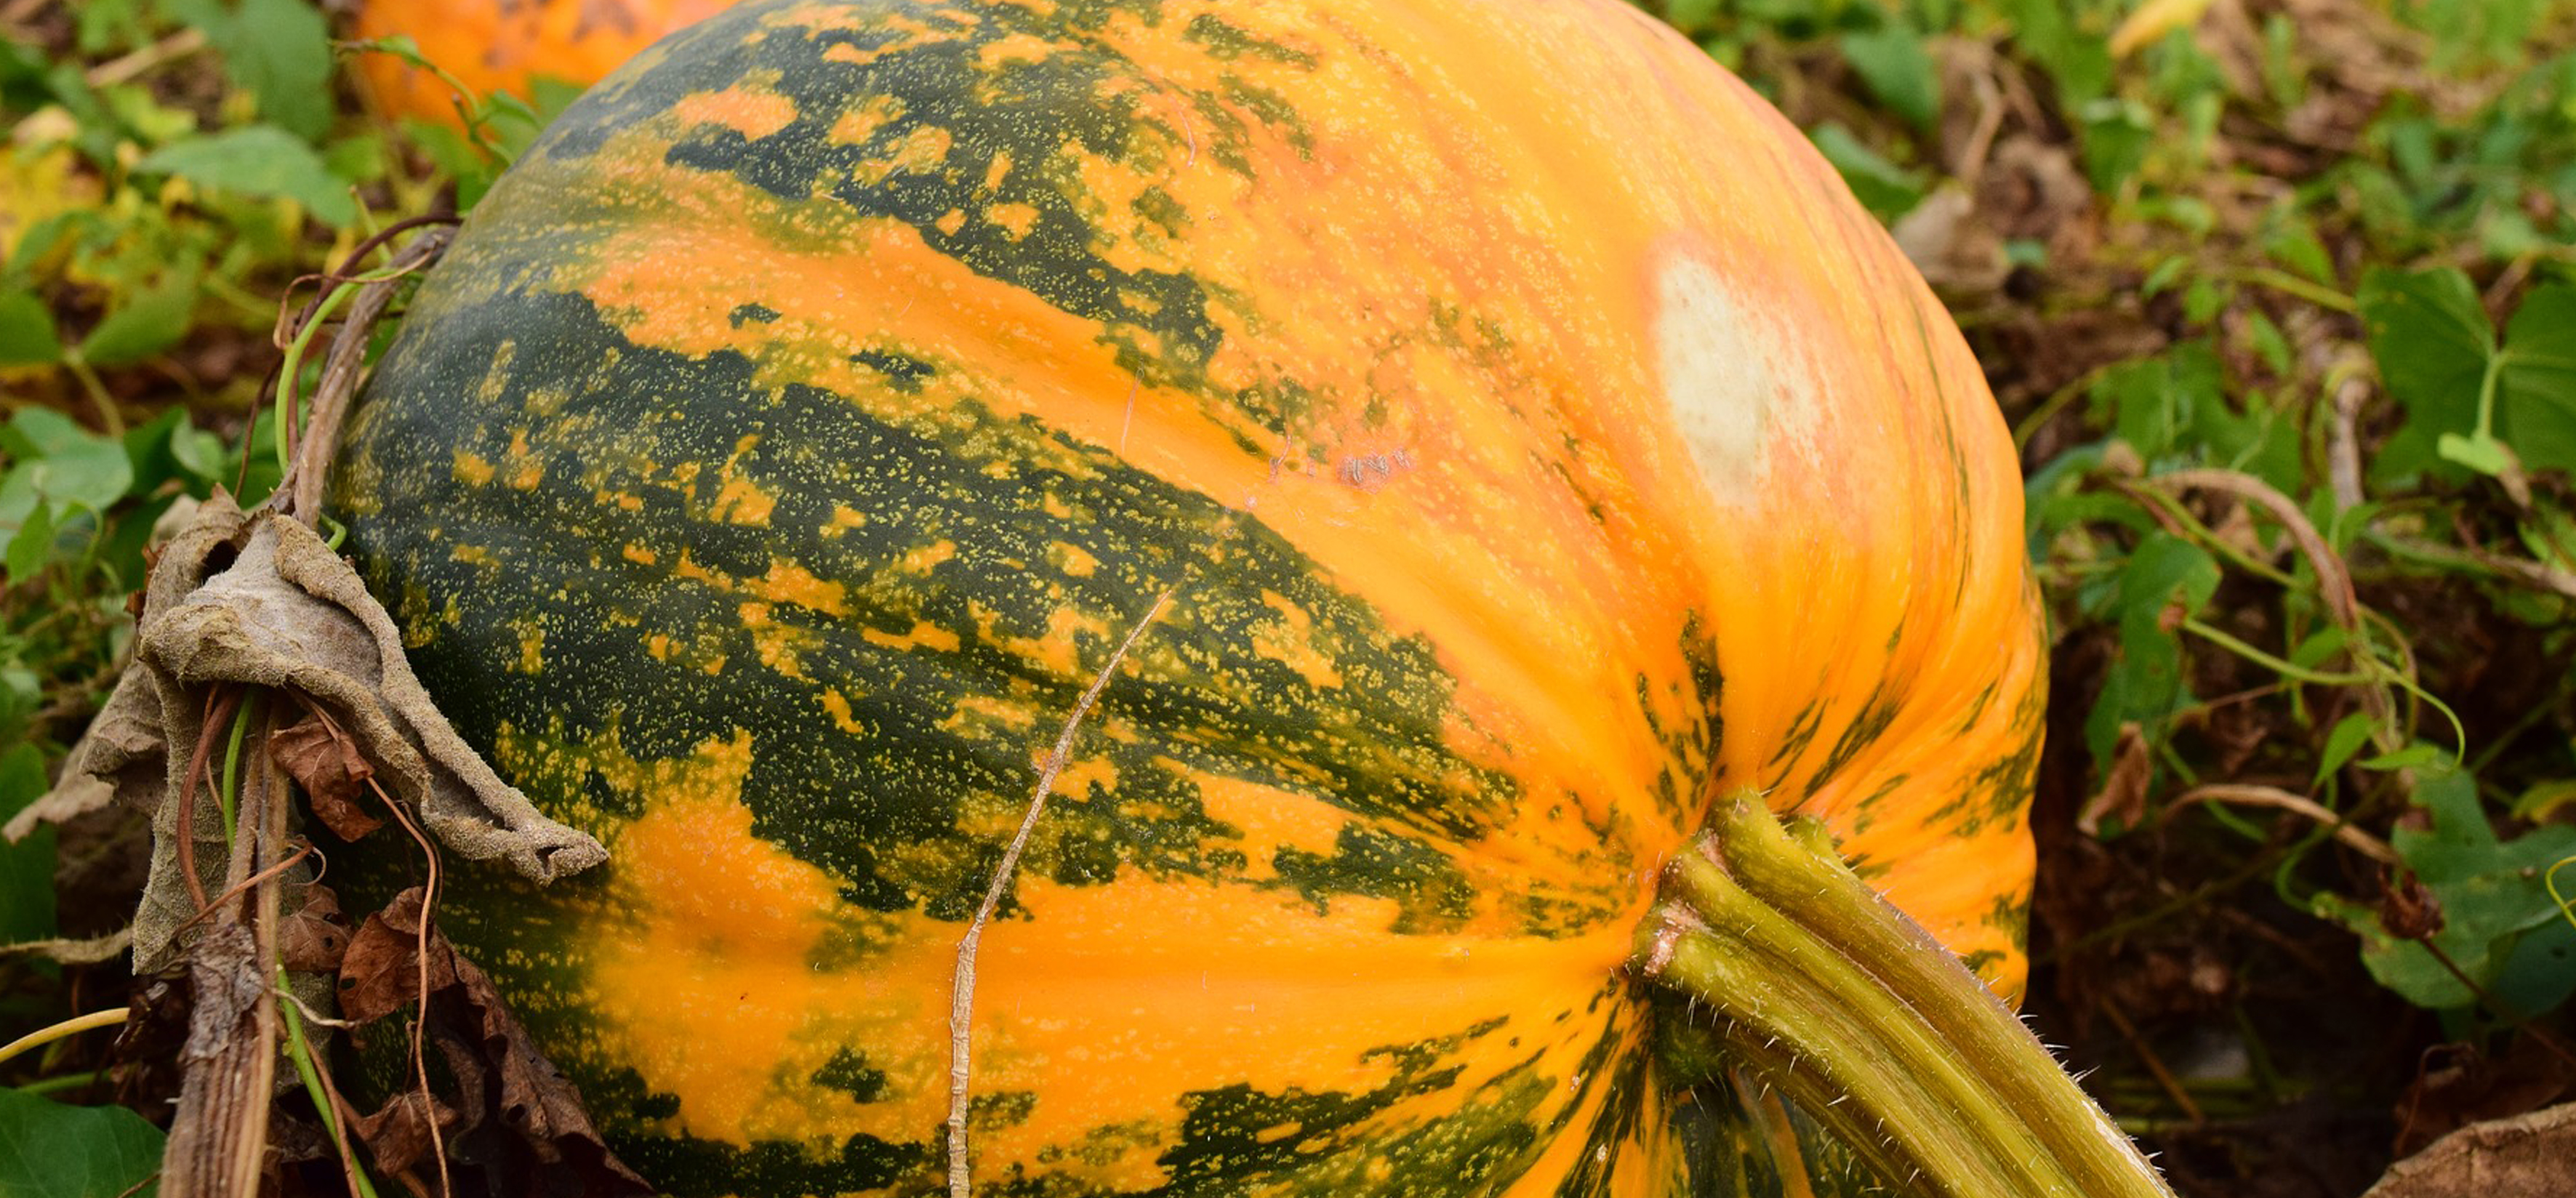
(1531,436)
(506,45)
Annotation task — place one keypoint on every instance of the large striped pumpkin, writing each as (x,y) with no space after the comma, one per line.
(1528,432)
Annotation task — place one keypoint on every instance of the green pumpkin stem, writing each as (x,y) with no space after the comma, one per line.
(1851,1007)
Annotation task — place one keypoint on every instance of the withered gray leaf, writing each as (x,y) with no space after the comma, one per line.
(259,600)
(2527,1156)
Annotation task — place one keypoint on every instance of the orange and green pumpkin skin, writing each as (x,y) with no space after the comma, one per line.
(505,45)
(1530,436)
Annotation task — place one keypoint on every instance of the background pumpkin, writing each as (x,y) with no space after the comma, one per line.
(792,436)
(505,45)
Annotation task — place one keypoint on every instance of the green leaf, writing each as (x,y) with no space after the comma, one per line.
(197,451)
(2203,300)
(32,545)
(2548,532)
(2268,343)
(2079,59)
(2431,339)
(1881,186)
(455,156)
(44,432)
(26,867)
(280,52)
(2538,404)
(2492,900)
(151,321)
(2318,646)
(2165,571)
(1891,62)
(106,25)
(2295,245)
(27,333)
(146,119)
(49,1150)
(2164,274)
(1688,15)
(44,236)
(2478,451)
(2544,799)
(20,693)
(66,462)
(2117,135)
(257,160)
(2349,735)
(2145,682)
(358,158)
(2412,757)
(2174,406)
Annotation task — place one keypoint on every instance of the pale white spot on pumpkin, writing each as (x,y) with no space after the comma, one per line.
(1740,379)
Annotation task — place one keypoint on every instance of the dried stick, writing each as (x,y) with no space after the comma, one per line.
(961,995)
(2281,800)
(321,434)
(219,1135)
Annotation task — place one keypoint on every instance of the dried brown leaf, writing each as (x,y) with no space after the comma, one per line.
(380,973)
(397,1134)
(226,980)
(537,1103)
(2408,911)
(530,1131)
(332,772)
(2123,798)
(314,937)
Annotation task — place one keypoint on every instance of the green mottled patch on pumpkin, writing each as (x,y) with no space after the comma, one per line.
(930,605)
(1226,41)
(1877,712)
(849,1073)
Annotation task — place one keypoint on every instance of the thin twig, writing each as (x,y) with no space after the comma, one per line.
(2245,795)
(235,890)
(1990,121)
(283,334)
(128,68)
(219,711)
(420,966)
(2333,580)
(2343,446)
(961,995)
(2165,1079)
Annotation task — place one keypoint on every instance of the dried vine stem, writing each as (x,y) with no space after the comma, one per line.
(219,1136)
(320,439)
(2281,800)
(2334,579)
(961,994)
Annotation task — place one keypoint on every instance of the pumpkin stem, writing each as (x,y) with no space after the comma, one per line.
(1883,1034)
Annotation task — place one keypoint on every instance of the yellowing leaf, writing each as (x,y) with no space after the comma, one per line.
(2153,21)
